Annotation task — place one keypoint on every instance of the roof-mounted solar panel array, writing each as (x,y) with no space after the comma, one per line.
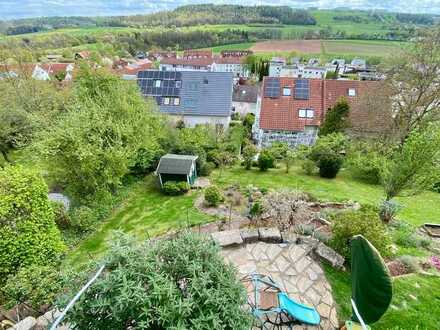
(160,83)
(302,89)
(272,87)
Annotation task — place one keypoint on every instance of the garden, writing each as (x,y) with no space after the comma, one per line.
(100,150)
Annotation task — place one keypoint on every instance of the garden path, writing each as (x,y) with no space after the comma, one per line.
(290,266)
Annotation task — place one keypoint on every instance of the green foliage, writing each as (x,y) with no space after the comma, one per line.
(327,154)
(336,118)
(256,210)
(213,196)
(364,222)
(62,218)
(180,283)
(414,165)
(388,210)
(405,235)
(84,218)
(173,188)
(34,285)
(206,169)
(365,164)
(249,153)
(248,122)
(93,145)
(266,160)
(28,233)
(308,166)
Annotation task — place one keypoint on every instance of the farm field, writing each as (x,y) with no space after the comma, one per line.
(300,46)
(364,47)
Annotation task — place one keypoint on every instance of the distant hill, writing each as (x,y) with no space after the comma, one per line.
(208,14)
(13,9)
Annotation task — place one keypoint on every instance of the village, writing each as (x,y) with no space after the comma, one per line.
(229,188)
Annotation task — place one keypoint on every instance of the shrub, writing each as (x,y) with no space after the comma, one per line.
(249,152)
(327,154)
(365,222)
(266,160)
(206,168)
(173,188)
(256,210)
(84,218)
(308,167)
(388,210)
(405,235)
(34,285)
(153,286)
(62,218)
(366,167)
(336,119)
(213,196)
(28,233)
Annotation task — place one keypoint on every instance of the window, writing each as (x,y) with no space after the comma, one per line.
(306,113)
(351,92)
(286,91)
(166,101)
(157,83)
(177,101)
(178,83)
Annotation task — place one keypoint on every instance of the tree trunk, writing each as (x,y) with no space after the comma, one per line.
(5,156)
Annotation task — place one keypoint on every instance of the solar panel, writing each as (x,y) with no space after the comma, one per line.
(302,89)
(272,87)
(147,82)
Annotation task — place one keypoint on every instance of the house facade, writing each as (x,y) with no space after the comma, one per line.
(293,109)
(244,99)
(51,71)
(195,97)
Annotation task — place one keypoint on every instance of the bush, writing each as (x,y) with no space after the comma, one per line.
(405,235)
(28,233)
(388,210)
(173,188)
(62,218)
(84,218)
(366,166)
(266,160)
(206,168)
(213,196)
(308,167)
(34,285)
(327,154)
(364,222)
(153,286)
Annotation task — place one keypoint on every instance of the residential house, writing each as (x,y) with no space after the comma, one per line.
(276,64)
(313,62)
(159,55)
(53,71)
(84,55)
(196,97)
(293,109)
(129,70)
(244,99)
(177,168)
(202,60)
(236,53)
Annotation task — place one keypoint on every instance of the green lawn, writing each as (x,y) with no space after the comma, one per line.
(405,312)
(417,209)
(146,212)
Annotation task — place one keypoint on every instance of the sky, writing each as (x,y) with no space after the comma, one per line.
(10,9)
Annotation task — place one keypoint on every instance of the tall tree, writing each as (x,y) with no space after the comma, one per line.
(336,119)
(93,144)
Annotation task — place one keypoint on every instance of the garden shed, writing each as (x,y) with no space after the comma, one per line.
(177,168)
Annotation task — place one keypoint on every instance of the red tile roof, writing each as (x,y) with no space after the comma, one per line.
(189,54)
(229,60)
(134,68)
(282,113)
(183,61)
(54,68)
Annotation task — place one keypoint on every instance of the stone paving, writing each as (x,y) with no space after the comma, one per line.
(293,269)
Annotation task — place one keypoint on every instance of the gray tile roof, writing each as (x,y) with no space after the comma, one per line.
(201,93)
(175,164)
(245,93)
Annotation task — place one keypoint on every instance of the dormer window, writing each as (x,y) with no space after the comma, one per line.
(351,92)
(176,101)
(306,113)
(286,91)
(157,83)
(166,101)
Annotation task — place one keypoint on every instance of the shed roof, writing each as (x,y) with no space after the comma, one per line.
(175,164)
